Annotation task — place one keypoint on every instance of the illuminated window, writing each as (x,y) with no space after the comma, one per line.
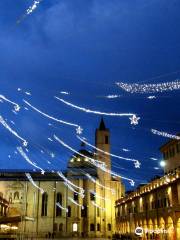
(44,204)
(75,227)
(58,209)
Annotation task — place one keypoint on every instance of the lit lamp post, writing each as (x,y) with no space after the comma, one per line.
(162,164)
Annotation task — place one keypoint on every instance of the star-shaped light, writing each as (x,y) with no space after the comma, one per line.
(137,164)
(17,108)
(132,183)
(79,130)
(52,155)
(134,119)
(25,143)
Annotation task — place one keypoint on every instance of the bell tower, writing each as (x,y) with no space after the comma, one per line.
(102,142)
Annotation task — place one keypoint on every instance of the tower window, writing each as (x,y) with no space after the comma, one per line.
(106,139)
(44,204)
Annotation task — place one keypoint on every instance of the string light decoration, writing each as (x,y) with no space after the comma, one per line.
(3,122)
(60,174)
(164,134)
(61,207)
(50,117)
(94,162)
(16,106)
(134,120)
(33,183)
(79,130)
(91,160)
(73,201)
(73,190)
(24,155)
(64,92)
(95,111)
(113,96)
(97,196)
(99,184)
(136,162)
(149,88)
(151,97)
(96,205)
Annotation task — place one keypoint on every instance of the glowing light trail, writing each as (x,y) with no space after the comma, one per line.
(69,182)
(3,122)
(23,154)
(96,205)
(97,196)
(107,153)
(73,190)
(50,117)
(94,162)
(16,106)
(33,183)
(149,88)
(60,206)
(92,111)
(165,134)
(99,184)
(73,201)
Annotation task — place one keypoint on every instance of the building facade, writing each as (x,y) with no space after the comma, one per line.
(154,207)
(53,204)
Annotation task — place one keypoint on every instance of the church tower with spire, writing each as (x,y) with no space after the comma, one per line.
(102,142)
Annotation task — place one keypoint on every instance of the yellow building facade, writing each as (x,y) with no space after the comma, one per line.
(52,205)
(153,210)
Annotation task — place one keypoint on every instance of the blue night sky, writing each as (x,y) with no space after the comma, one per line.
(84,47)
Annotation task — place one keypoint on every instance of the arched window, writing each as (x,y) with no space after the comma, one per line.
(109,227)
(98,227)
(92,227)
(44,204)
(69,211)
(61,227)
(58,209)
(16,196)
